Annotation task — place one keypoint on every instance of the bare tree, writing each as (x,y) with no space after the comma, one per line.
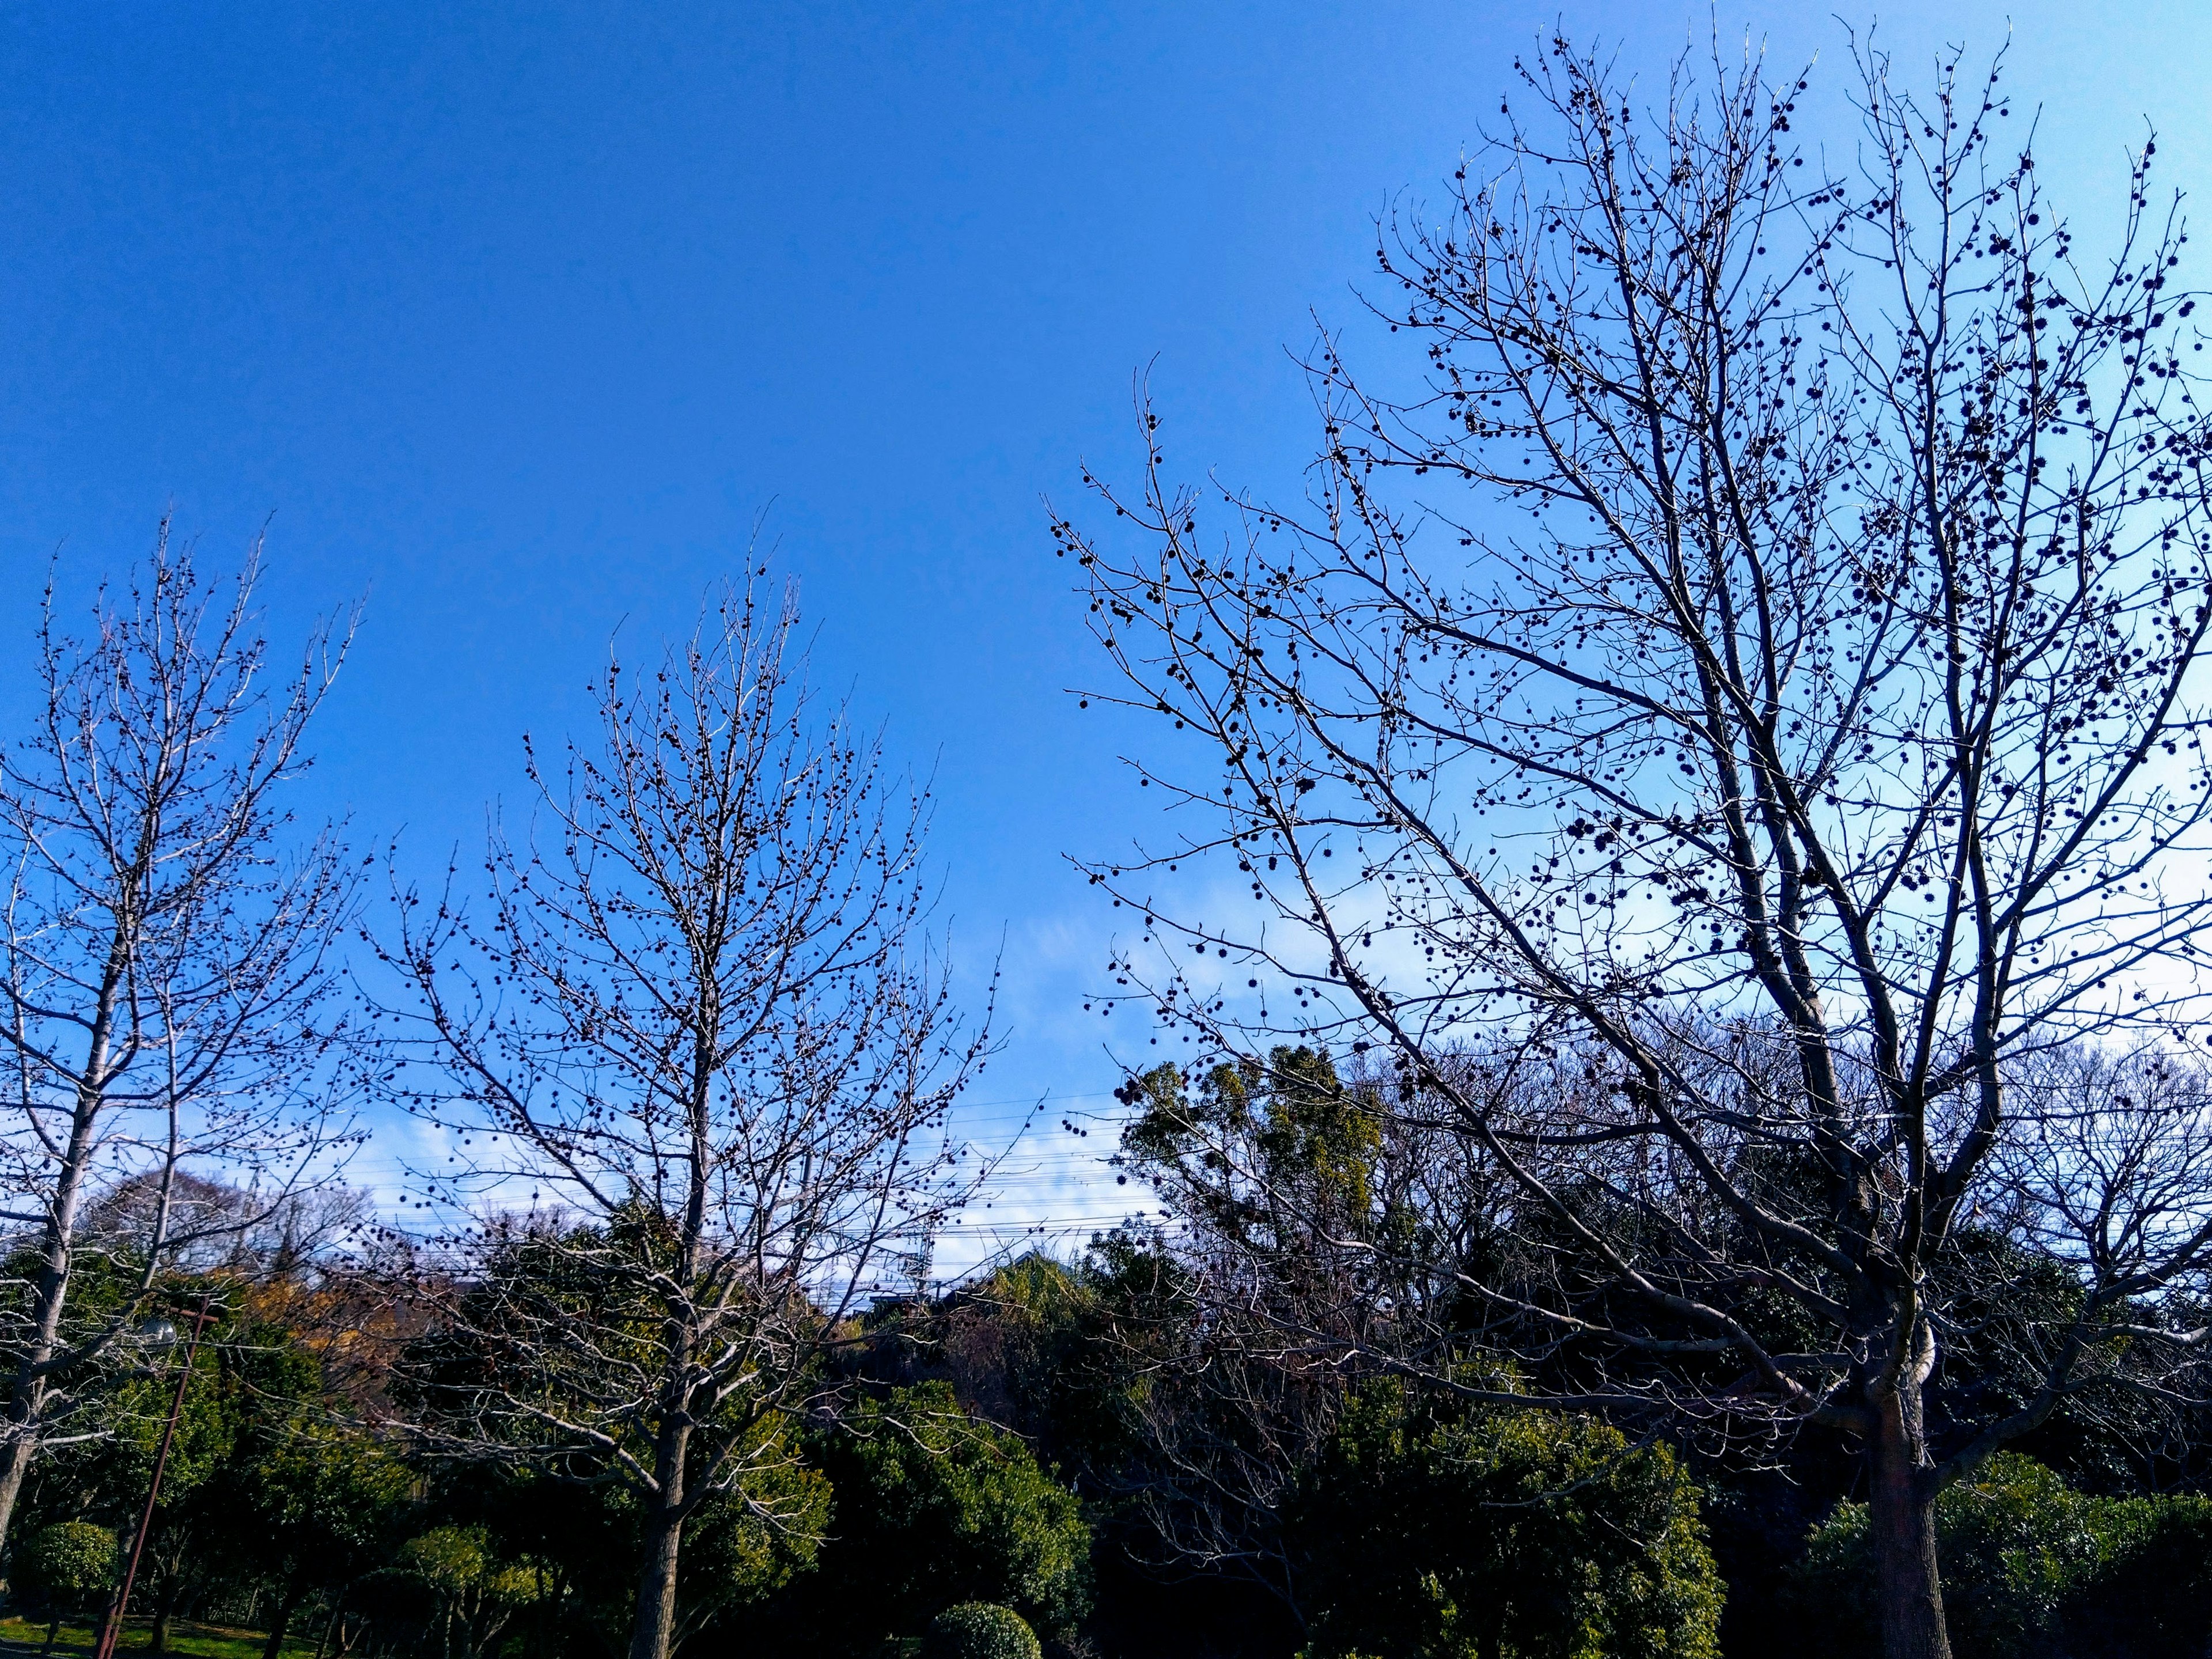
(700,1031)
(168,972)
(1716,732)
(1320,1238)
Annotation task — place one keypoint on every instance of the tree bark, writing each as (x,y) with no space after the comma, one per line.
(656,1590)
(655,1629)
(28,1397)
(282,1623)
(165,1604)
(1902,1514)
(14,1464)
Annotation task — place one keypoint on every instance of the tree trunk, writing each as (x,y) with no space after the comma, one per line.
(282,1623)
(27,1399)
(1902,1514)
(656,1590)
(14,1463)
(655,1628)
(165,1603)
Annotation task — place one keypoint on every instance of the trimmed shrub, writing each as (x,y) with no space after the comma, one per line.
(63,1569)
(980,1630)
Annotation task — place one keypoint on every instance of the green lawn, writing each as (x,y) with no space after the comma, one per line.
(199,1641)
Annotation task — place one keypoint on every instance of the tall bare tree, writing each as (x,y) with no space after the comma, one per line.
(700,1027)
(168,970)
(1719,730)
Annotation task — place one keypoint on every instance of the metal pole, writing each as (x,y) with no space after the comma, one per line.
(114,1632)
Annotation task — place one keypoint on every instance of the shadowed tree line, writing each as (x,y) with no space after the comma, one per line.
(1091,1446)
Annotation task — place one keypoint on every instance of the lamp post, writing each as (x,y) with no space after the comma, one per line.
(113,1629)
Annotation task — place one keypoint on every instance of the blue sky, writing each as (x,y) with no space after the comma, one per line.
(514,318)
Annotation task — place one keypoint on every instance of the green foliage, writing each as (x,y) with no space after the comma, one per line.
(455,1562)
(449,1590)
(1501,1532)
(599,1279)
(2030,1567)
(2151,1595)
(582,1540)
(111,1386)
(488,1373)
(66,1568)
(1066,1354)
(932,1507)
(1011,1337)
(578,1546)
(267,1502)
(301,1505)
(324,1500)
(1136,1308)
(734,1558)
(2021,1539)
(1289,1122)
(207,1428)
(980,1630)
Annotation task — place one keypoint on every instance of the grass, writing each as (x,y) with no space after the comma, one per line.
(185,1637)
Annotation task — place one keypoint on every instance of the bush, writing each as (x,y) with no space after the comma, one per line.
(65,1569)
(1437,1534)
(2151,1595)
(2030,1567)
(980,1630)
(933,1507)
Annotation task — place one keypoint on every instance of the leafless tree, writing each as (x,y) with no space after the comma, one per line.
(168,973)
(1720,731)
(310,1228)
(701,1045)
(1229,1418)
(1320,1238)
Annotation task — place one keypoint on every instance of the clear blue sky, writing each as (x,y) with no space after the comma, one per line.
(515,316)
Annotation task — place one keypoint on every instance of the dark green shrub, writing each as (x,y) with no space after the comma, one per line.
(933,1507)
(2151,1595)
(2008,1543)
(980,1630)
(1435,1534)
(2030,1568)
(63,1569)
